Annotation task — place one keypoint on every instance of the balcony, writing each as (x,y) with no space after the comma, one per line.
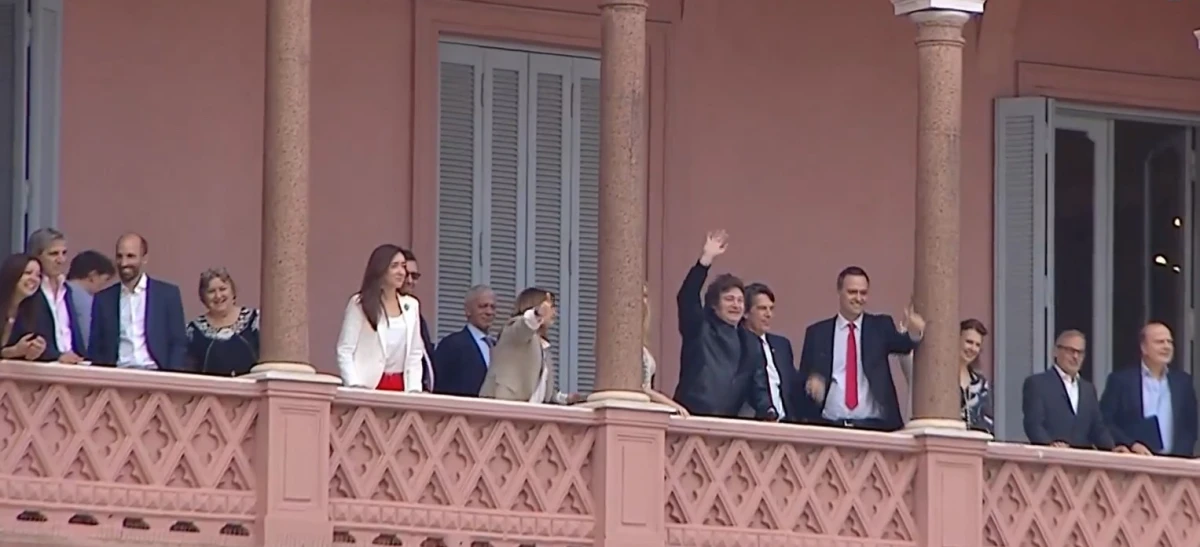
(92,456)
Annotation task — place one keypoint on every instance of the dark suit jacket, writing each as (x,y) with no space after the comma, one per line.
(1122,408)
(1049,417)
(165,335)
(428,378)
(785,364)
(879,339)
(460,365)
(37,318)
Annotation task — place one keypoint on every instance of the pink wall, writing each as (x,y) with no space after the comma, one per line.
(801,113)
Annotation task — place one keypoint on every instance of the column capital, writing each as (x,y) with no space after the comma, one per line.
(1196,34)
(624,3)
(908,7)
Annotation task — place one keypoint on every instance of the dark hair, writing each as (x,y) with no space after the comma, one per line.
(849,271)
(755,289)
(11,271)
(370,295)
(408,255)
(973,324)
(89,262)
(721,285)
(530,298)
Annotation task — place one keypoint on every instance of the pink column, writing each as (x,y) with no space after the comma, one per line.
(285,188)
(291,460)
(627,474)
(939,122)
(622,199)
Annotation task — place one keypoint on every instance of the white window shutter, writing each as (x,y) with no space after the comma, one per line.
(550,195)
(45,99)
(1022,141)
(504,92)
(586,247)
(460,175)
(13,39)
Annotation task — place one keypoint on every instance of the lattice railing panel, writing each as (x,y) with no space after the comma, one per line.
(1039,505)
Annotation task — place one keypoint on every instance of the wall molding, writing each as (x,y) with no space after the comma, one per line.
(1108,87)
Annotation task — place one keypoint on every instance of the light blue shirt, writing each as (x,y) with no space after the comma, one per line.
(483,342)
(81,300)
(1156,402)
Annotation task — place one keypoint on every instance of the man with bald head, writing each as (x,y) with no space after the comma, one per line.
(1152,407)
(463,357)
(138,323)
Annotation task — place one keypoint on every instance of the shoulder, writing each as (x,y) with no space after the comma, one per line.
(820,325)
(778,340)
(878,319)
(160,285)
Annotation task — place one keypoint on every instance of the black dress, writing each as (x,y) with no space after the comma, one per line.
(224,351)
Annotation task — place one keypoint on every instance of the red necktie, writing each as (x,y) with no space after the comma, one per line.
(851,369)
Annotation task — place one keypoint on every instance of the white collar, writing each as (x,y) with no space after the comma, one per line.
(842,322)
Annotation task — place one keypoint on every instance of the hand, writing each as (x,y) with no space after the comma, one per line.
(1059,444)
(901,324)
(770,417)
(1120,449)
(574,398)
(70,358)
(545,310)
(1139,448)
(815,387)
(914,322)
(714,246)
(30,346)
(680,411)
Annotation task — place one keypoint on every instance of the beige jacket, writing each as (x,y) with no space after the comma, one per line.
(516,369)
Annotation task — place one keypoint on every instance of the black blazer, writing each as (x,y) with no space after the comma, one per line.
(460,365)
(785,364)
(1121,405)
(166,337)
(37,318)
(1049,417)
(429,377)
(879,339)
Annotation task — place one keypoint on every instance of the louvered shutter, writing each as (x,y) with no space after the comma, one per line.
(45,99)
(12,124)
(460,175)
(586,249)
(549,196)
(504,174)
(1022,141)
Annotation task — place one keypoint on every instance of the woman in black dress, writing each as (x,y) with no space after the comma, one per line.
(223,341)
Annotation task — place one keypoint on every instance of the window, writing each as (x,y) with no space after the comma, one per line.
(1095,230)
(518,190)
(30,67)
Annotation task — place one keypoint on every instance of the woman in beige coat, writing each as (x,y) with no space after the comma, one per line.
(522,367)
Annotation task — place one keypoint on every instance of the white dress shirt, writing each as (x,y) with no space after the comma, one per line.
(132,351)
(57,300)
(1071,384)
(773,380)
(1156,403)
(395,345)
(835,402)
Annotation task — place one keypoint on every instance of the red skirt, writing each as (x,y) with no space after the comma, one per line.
(391,382)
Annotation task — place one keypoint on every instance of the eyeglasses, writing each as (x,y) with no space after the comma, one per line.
(1071,351)
(415,276)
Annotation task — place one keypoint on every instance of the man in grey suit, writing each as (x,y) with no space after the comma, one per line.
(90,272)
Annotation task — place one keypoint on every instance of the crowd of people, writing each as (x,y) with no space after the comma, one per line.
(731,364)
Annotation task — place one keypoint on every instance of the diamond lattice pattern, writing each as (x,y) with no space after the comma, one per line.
(808,490)
(436,459)
(126,436)
(1034,505)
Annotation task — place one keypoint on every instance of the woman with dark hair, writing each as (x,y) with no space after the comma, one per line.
(380,343)
(20,277)
(975,392)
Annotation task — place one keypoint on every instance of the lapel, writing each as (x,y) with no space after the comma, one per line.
(1139,404)
(1061,389)
(147,320)
(474,349)
(825,361)
(381,325)
(1176,387)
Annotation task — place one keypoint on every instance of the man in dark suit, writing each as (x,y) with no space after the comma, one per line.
(410,288)
(463,356)
(847,380)
(1151,408)
(1060,407)
(778,361)
(138,323)
(52,314)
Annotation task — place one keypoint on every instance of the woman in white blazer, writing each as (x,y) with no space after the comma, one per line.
(380,344)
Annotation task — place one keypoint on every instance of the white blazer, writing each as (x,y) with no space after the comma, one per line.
(360,353)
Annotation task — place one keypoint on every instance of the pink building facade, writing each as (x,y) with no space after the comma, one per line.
(779,121)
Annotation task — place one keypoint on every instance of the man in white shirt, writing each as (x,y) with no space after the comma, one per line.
(1060,407)
(54,316)
(777,350)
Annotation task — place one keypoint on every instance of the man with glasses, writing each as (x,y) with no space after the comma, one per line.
(1061,407)
(409,288)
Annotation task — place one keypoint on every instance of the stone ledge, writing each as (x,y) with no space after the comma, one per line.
(905,7)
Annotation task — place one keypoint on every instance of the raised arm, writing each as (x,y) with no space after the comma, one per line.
(691,309)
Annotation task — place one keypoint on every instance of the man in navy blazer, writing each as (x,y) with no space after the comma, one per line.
(777,350)
(52,314)
(847,379)
(1151,408)
(462,357)
(138,323)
